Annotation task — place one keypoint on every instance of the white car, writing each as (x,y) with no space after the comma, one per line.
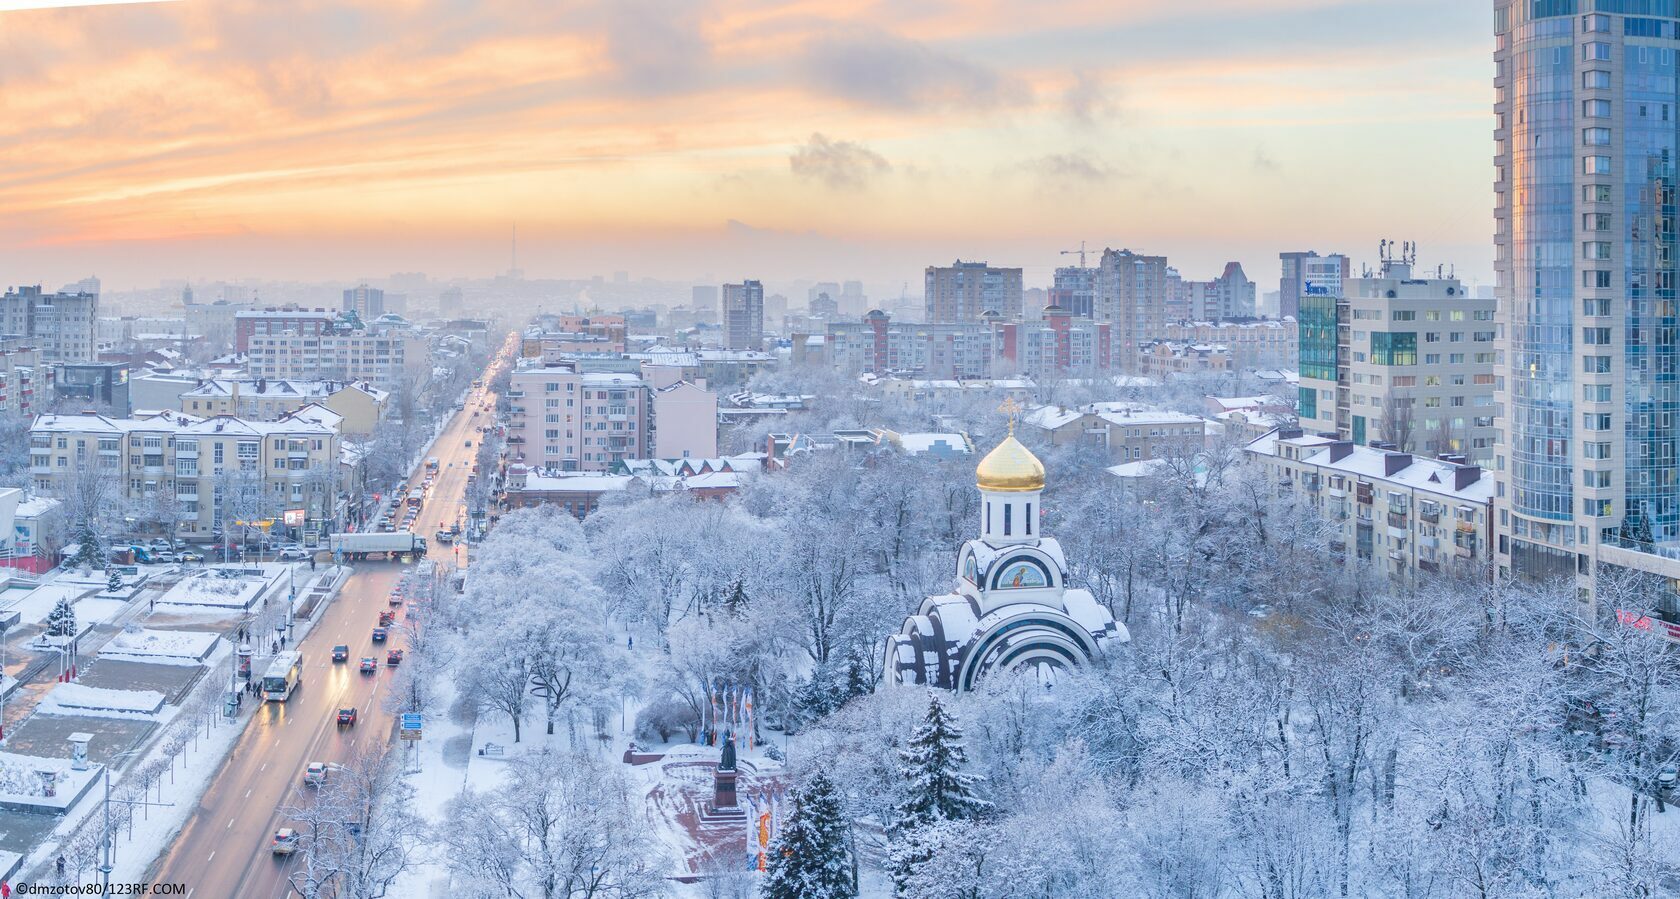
(315,774)
(292,554)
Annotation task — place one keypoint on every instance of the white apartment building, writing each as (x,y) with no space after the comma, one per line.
(1412,365)
(384,359)
(60,326)
(561,418)
(266,468)
(1395,511)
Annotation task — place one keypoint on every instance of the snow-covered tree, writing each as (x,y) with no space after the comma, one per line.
(936,789)
(811,857)
(61,622)
(936,786)
(358,830)
(566,825)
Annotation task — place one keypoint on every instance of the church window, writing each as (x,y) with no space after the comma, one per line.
(1007,508)
(1028,518)
(969,569)
(988,516)
(1021,575)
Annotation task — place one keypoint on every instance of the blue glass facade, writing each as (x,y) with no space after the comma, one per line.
(1542,165)
(1588,130)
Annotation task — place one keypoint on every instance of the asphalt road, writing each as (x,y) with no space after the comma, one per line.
(223,850)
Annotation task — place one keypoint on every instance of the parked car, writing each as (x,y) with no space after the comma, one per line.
(379,635)
(347,717)
(394,658)
(369,664)
(341,653)
(315,774)
(285,841)
(1667,777)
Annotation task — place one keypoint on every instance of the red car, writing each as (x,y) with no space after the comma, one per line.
(347,717)
(385,618)
(394,657)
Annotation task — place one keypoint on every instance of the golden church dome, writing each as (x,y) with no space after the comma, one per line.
(1010,467)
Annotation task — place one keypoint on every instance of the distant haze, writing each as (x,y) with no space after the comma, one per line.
(735,138)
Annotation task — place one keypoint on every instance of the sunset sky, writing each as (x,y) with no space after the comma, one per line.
(708,139)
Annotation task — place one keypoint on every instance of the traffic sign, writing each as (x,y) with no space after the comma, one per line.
(411,721)
(408,735)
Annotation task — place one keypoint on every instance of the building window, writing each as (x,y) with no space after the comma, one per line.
(1595,109)
(1595,165)
(1007,508)
(1595,50)
(1595,137)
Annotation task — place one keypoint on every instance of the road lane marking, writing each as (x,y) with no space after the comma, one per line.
(230,824)
(212,857)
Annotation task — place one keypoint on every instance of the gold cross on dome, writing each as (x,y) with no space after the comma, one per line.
(1013,410)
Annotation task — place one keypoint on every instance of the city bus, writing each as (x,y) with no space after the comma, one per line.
(416,497)
(432,465)
(284,675)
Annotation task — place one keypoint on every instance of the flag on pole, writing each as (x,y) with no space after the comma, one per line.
(749,719)
(711,694)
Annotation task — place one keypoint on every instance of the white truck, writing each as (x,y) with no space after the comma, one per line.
(367,543)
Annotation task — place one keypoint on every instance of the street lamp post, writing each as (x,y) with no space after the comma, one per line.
(2,682)
(108,846)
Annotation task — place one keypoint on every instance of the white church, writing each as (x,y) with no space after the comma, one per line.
(1009,605)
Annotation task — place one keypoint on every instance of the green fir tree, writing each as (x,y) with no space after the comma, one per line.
(936,790)
(62,621)
(810,858)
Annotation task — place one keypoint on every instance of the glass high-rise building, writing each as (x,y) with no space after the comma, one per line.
(1586,137)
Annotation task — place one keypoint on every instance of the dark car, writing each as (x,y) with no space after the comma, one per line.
(347,717)
(379,635)
(385,618)
(394,658)
(341,653)
(369,664)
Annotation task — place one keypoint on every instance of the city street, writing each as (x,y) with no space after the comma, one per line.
(224,848)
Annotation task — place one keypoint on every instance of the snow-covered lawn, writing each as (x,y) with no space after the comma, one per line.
(34,607)
(161,647)
(21,784)
(79,699)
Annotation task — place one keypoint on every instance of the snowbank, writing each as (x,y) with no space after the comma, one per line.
(78,699)
(161,647)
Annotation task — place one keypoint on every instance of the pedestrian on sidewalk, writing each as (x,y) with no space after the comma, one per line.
(61,867)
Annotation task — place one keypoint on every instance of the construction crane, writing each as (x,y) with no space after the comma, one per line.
(1079,252)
